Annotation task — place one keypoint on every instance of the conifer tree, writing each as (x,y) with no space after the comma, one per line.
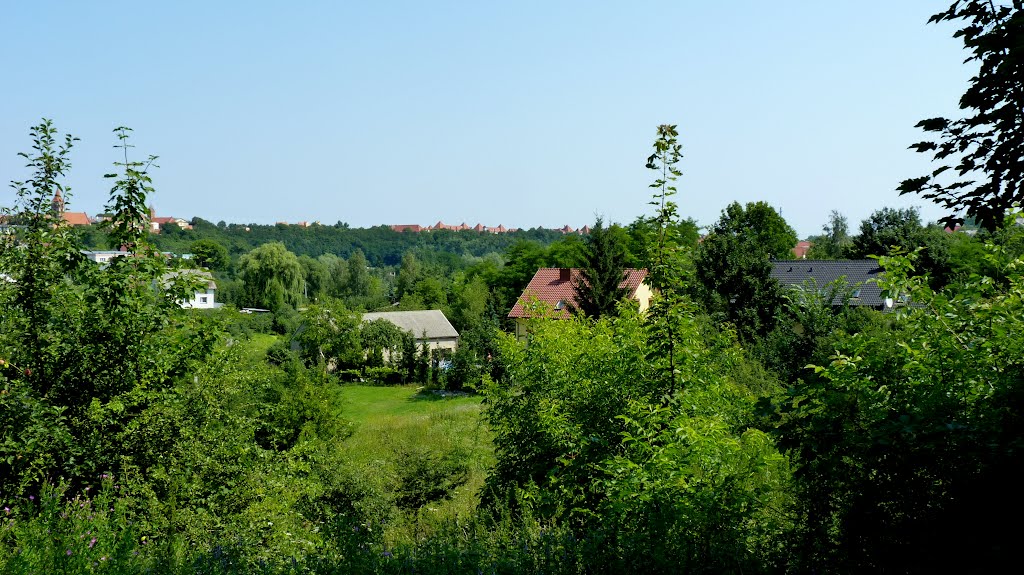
(603,268)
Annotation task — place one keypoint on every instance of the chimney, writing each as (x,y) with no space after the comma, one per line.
(563,274)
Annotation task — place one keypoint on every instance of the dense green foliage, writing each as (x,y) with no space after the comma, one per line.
(381,245)
(89,353)
(732,428)
(591,436)
(272,277)
(733,266)
(905,438)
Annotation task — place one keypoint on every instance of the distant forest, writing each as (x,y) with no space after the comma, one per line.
(381,245)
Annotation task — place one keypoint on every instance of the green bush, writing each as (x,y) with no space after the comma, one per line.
(280,353)
(383,376)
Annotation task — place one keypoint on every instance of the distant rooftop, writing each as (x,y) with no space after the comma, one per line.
(857,274)
(464,227)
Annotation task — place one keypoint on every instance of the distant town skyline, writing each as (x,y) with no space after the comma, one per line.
(528,114)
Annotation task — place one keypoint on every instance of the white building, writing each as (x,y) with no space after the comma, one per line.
(205,297)
(102,256)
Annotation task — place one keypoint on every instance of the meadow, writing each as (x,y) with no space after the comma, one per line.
(424,455)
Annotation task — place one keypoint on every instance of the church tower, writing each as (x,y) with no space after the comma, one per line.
(58,203)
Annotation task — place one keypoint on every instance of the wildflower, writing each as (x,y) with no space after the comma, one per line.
(7,510)
(68,553)
(92,542)
(31,497)
(386,554)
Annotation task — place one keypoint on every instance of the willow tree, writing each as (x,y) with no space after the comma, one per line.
(272,277)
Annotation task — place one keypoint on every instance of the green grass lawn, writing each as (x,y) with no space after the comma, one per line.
(398,429)
(368,404)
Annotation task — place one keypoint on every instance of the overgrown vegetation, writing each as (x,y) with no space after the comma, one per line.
(732,428)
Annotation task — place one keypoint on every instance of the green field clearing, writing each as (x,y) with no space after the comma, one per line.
(397,429)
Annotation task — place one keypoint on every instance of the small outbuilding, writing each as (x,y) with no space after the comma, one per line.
(427,326)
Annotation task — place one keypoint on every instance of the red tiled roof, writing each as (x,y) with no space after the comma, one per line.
(406,227)
(76,218)
(553,285)
(801,249)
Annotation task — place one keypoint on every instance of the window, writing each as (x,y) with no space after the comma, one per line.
(560,304)
(202,299)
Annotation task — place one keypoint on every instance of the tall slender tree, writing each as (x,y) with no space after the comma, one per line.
(832,244)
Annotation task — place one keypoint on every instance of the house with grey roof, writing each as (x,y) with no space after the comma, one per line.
(857,275)
(427,326)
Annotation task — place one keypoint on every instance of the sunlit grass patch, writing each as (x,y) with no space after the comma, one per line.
(426,456)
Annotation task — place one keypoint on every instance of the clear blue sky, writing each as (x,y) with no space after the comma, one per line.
(517,113)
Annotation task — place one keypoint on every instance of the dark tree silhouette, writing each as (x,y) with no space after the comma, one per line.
(602,269)
(986,147)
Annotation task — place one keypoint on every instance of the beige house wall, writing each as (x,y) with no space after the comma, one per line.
(442,343)
(643,295)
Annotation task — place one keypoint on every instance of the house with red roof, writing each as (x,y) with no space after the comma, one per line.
(801,248)
(157,223)
(550,294)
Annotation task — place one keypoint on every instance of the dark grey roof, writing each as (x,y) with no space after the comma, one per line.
(431,321)
(795,274)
